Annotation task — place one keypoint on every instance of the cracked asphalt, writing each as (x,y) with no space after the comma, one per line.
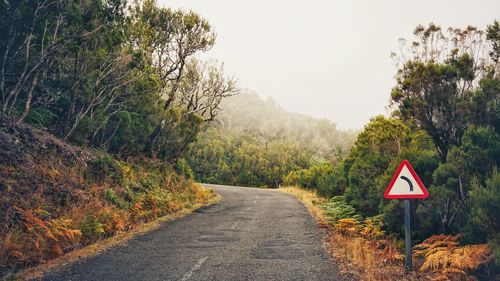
(251,234)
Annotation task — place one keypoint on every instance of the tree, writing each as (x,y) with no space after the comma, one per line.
(43,40)
(485,204)
(493,35)
(168,39)
(474,159)
(201,91)
(380,142)
(203,88)
(435,83)
(31,38)
(107,74)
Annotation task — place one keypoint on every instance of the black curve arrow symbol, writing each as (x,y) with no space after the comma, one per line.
(408,181)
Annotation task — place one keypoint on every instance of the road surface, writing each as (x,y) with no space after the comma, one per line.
(251,234)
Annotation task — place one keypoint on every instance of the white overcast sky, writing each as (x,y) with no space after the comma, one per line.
(325,58)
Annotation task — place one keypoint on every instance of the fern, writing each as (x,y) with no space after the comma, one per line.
(348,226)
(38,237)
(337,208)
(373,228)
(92,228)
(444,256)
(40,117)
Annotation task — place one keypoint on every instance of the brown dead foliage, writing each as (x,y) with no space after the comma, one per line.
(445,259)
(49,204)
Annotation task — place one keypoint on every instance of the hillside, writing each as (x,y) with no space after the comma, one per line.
(249,113)
(256,142)
(55,197)
(99,102)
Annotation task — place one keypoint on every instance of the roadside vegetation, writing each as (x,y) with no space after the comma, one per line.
(108,116)
(99,102)
(364,251)
(445,121)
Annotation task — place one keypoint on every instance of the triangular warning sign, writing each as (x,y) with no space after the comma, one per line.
(405,184)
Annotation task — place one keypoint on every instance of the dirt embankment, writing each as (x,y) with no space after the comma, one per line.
(36,168)
(56,197)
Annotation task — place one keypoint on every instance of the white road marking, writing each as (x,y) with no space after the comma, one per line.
(255,201)
(195,267)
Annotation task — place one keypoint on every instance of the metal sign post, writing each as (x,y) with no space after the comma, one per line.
(408,235)
(406,185)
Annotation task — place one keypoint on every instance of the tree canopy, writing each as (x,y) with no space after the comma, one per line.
(114,75)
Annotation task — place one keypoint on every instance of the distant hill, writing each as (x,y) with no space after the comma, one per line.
(249,113)
(255,142)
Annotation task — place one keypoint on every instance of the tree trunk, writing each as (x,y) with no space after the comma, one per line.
(154,137)
(445,218)
(27,105)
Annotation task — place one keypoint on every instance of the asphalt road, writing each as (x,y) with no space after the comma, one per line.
(251,234)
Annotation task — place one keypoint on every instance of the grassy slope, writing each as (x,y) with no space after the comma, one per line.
(55,197)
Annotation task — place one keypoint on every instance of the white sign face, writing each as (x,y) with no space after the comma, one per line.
(405,184)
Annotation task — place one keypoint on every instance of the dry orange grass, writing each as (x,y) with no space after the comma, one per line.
(41,239)
(55,211)
(56,198)
(360,254)
(312,201)
(364,252)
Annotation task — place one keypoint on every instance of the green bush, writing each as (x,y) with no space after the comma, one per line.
(184,169)
(485,205)
(337,208)
(40,117)
(103,169)
(150,182)
(114,198)
(311,177)
(91,228)
(333,183)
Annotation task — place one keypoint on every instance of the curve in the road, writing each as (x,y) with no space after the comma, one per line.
(252,234)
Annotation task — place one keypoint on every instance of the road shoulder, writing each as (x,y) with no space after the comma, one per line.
(101,246)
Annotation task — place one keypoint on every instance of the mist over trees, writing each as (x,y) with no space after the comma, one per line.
(256,142)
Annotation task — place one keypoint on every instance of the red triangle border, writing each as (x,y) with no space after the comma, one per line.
(395,177)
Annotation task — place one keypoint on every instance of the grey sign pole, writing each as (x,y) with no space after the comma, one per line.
(408,234)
